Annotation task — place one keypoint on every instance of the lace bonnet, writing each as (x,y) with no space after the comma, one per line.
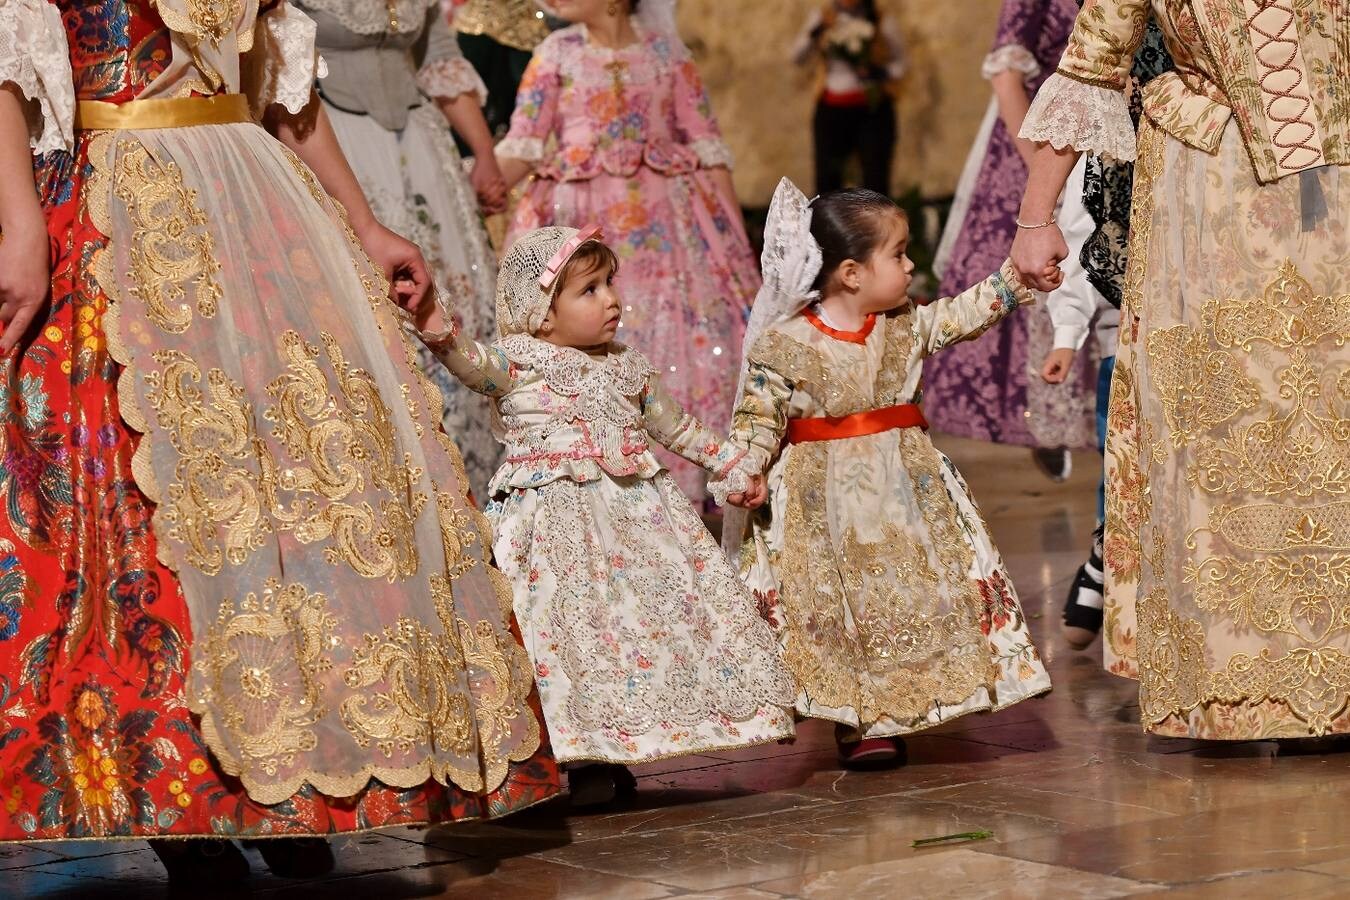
(527,280)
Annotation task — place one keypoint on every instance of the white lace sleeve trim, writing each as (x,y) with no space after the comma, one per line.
(450,78)
(529,150)
(1013,57)
(285,61)
(713,153)
(735,481)
(34,56)
(1088,118)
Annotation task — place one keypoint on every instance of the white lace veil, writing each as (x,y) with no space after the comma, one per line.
(790,263)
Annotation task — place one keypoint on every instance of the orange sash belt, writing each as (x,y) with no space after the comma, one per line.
(874,421)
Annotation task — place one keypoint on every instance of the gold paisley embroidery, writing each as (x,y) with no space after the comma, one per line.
(1286,315)
(1199,388)
(171,249)
(213,507)
(261,662)
(806,369)
(336,443)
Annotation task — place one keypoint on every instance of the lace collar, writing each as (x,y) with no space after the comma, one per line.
(571,373)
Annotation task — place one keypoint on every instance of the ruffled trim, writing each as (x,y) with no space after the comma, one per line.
(284,62)
(537,470)
(1086,117)
(525,149)
(1010,289)
(713,153)
(1010,57)
(573,373)
(450,78)
(35,58)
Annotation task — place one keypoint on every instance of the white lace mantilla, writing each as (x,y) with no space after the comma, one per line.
(376,16)
(1013,57)
(1088,118)
(284,69)
(450,78)
(35,58)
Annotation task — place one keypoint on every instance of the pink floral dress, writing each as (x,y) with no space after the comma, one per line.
(626,138)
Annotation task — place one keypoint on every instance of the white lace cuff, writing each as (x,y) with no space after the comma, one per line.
(1010,57)
(713,153)
(1088,118)
(529,150)
(34,56)
(451,77)
(284,61)
(734,481)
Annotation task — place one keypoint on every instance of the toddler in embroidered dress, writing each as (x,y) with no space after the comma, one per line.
(893,607)
(645,643)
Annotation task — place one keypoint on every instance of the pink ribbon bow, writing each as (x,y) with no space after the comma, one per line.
(550,275)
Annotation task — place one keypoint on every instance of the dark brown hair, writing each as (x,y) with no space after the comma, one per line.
(590,257)
(849,224)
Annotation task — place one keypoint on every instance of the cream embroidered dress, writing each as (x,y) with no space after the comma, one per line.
(894,610)
(244,590)
(645,643)
(1228,453)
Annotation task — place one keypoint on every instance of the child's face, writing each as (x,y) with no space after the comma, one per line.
(883,282)
(585,314)
(580,10)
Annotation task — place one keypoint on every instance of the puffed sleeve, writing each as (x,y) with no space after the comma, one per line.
(536,105)
(1084,104)
(678,431)
(1019,26)
(694,120)
(283,63)
(444,72)
(35,59)
(971,313)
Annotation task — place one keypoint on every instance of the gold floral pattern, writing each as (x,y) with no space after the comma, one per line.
(1199,388)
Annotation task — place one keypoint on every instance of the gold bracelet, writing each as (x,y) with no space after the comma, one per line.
(1046,224)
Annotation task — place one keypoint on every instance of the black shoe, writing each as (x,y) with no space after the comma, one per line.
(297,857)
(625,782)
(1055,463)
(1083,608)
(201,862)
(591,785)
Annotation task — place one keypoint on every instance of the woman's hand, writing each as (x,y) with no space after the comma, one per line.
(25,279)
(1056,366)
(402,263)
(1037,253)
(752,497)
(488,183)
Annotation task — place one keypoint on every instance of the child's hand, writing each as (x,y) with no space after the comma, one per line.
(1056,366)
(752,497)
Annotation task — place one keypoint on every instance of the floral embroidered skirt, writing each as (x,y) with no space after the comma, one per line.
(687,277)
(645,643)
(894,609)
(1228,449)
(222,620)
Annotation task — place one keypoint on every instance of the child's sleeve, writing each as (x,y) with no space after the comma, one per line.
(694,120)
(970,313)
(536,112)
(678,431)
(761,418)
(481,367)
(443,72)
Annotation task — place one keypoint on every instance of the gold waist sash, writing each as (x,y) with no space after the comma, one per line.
(172,112)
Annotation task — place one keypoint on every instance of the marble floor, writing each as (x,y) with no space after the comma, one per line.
(1079,801)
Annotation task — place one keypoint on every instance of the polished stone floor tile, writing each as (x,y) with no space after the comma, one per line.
(1080,802)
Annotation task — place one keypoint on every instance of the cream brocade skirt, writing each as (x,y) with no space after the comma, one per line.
(345,623)
(1228,450)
